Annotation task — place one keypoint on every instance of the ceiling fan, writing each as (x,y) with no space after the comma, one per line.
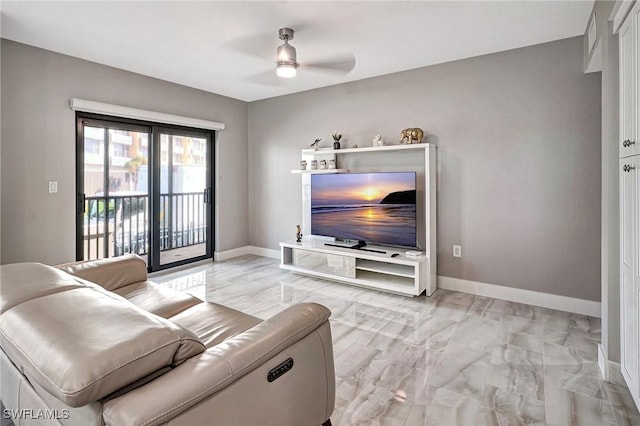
(286,60)
(287,64)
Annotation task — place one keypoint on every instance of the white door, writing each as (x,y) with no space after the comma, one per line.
(628,79)
(628,258)
(634,171)
(634,140)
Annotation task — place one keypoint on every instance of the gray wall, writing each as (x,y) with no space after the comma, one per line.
(519,154)
(518,137)
(38,145)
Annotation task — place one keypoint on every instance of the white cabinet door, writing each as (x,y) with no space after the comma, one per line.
(628,81)
(634,171)
(629,295)
(635,21)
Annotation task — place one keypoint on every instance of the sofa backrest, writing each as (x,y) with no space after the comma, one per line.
(82,343)
(20,282)
(111,273)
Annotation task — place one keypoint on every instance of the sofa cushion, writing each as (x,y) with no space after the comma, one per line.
(110,273)
(81,345)
(25,281)
(214,323)
(162,301)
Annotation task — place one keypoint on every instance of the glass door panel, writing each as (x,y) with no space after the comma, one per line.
(94,219)
(115,191)
(184,208)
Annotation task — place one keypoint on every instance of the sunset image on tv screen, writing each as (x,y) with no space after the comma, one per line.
(372,207)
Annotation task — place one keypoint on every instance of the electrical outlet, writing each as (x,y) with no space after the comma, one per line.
(457,251)
(53,187)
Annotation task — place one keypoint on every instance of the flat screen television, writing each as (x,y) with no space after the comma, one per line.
(378,208)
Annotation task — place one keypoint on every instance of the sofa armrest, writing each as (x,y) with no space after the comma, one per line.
(218,367)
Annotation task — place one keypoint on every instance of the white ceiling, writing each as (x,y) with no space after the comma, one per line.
(229,47)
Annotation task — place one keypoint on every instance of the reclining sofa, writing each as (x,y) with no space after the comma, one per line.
(96,343)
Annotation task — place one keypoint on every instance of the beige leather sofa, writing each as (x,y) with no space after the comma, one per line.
(96,343)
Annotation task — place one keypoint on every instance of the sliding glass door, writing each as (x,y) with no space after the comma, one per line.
(143,189)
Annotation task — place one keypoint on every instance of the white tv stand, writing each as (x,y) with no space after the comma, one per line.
(400,274)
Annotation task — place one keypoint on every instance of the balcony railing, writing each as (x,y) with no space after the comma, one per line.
(117,224)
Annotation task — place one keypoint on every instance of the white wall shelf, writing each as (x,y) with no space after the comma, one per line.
(321,151)
(318,171)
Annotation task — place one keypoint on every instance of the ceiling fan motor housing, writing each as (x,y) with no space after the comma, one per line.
(286,55)
(285,34)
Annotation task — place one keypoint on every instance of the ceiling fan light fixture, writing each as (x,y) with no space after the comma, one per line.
(286,70)
(286,55)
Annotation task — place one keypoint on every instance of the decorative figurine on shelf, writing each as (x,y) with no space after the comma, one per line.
(332,164)
(336,139)
(303,165)
(315,143)
(298,234)
(411,134)
(323,164)
(377,141)
(314,164)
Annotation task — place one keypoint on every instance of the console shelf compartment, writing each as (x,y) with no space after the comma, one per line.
(380,271)
(385,268)
(376,278)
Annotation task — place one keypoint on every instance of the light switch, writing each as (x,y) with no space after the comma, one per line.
(53,187)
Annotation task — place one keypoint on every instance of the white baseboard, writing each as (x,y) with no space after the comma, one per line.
(230,254)
(545,300)
(610,370)
(264,252)
(242,251)
(602,362)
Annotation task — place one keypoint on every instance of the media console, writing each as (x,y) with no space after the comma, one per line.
(366,268)
(399,274)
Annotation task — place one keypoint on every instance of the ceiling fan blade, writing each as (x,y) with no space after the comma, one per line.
(342,64)
(259,46)
(265,78)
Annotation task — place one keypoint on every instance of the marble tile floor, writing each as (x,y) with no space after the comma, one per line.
(449,359)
